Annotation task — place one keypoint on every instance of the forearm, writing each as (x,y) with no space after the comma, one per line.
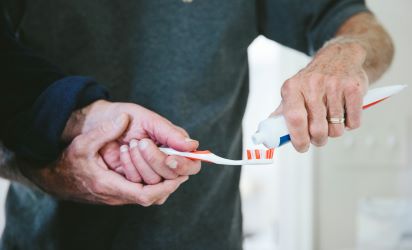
(364,30)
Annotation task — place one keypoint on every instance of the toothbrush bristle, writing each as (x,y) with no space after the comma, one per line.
(258,154)
(249,154)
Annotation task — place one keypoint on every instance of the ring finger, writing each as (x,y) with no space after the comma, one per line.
(336,111)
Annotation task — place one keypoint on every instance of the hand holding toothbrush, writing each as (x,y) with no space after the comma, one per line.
(139,158)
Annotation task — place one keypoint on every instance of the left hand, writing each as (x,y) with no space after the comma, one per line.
(331,86)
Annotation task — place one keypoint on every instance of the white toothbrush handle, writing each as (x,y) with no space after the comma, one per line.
(171,151)
(210,157)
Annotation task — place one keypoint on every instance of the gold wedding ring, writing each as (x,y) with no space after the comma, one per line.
(336,120)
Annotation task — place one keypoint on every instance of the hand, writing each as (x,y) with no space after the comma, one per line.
(332,85)
(82,175)
(141,161)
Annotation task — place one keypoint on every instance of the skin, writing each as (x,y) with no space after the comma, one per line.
(333,85)
(334,82)
(140,160)
(81,174)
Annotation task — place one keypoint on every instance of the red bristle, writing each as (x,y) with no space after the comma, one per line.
(257,153)
(249,154)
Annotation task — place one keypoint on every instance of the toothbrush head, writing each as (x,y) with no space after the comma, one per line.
(260,154)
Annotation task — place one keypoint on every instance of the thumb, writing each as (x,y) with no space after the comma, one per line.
(106,132)
(278,111)
(172,136)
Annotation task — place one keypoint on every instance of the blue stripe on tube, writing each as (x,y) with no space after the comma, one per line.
(284,139)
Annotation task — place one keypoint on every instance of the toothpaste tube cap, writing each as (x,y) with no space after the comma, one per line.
(258,138)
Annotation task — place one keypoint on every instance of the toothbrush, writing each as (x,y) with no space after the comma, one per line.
(254,157)
(273,131)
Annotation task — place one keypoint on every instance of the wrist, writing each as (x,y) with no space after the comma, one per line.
(351,47)
(81,120)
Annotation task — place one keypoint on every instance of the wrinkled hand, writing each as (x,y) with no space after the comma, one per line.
(82,175)
(332,85)
(136,154)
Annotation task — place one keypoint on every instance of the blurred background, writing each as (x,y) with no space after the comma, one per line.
(353,194)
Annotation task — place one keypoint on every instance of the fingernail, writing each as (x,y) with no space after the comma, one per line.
(172,164)
(143,144)
(189,140)
(133,143)
(120,120)
(124,148)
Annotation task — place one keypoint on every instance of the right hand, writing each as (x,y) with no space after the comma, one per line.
(140,160)
(81,174)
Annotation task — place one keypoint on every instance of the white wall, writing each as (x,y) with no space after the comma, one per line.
(372,165)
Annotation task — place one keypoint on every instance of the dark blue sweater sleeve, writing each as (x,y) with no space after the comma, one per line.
(35,134)
(36,99)
(305,25)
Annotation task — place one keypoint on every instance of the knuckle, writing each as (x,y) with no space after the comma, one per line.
(315,81)
(301,145)
(333,85)
(295,118)
(152,179)
(318,132)
(77,148)
(145,201)
(98,187)
(354,88)
(151,158)
(287,87)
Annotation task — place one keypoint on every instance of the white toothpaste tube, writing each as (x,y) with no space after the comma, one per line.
(274,133)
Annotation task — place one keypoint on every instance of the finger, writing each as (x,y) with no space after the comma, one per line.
(184,132)
(153,193)
(318,125)
(278,110)
(105,133)
(111,156)
(295,114)
(148,175)
(353,101)
(155,159)
(129,169)
(168,134)
(335,107)
(183,166)
(120,170)
(117,190)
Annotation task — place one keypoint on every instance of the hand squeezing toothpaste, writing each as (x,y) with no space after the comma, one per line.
(273,133)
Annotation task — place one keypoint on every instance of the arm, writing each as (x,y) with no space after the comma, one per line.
(365,31)
(354,51)
(36,98)
(80,174)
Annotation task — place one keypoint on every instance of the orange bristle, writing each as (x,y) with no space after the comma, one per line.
(257,154)
(249,154)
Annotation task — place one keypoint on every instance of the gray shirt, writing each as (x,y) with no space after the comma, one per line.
(185,61)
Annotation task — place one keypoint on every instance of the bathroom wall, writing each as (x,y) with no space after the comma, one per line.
(363,181)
